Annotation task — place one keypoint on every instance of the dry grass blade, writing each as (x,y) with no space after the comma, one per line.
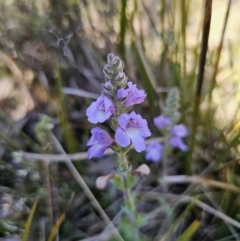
(217,213)
(85,188)
(81,93)
(200,180)
(11,65)
(63,157)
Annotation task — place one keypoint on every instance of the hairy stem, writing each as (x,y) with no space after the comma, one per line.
(131,203)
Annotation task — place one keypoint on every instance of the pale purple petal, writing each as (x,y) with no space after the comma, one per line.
(154,151)
(93,140)
(144,132)
(133,128)
(99,141)
(108,84)
(135,96)
(100,110)
(107,103)
(121,93)
(177,142)
(122,138)
(96,151)
(137,140)
(161,121)
(180,130)
(92,112)
(123,120)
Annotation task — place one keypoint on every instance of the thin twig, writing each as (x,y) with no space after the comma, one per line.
(217,206)
(62,158)
(78,92)
(204,206)
(200,180)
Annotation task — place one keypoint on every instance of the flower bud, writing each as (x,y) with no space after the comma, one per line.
(110,58)
(108,72)
(108,89)
(120,79)
(143,170)
(117,64)
(102,181)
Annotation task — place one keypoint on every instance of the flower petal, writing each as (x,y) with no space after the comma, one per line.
(123,120)
(154,151)
(121,93)
(135,96)
(161,121)
(91,113)
(94,139)
(122,138)
(96,151)
(177,142)
(180,130)
(137,140)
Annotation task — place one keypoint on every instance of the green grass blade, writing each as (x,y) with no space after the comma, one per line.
(123,26)
(29,222)
(189,232)
(56,227)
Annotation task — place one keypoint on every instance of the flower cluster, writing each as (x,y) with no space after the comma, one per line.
(174,134)
(114,104)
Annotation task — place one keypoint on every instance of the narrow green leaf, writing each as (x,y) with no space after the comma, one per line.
(189,232)
(29,222)
(123,26)
(56,227)
(117,182)
(131,180)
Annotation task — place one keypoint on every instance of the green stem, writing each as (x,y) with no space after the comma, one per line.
(130,201)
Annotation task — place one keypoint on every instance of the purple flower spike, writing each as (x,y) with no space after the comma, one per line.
(132,128)
(154,151)
(161,121)
(99,141)
(135,96)
(100,110)
(121,93)
(180,130)
(177,142)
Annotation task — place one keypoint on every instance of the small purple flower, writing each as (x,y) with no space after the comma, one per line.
(108,84)
(161,121)
(135,96)
(154,151)
(177,142)
(180,130)
(121,93)
(99,141)
(100,110)
(132,128)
